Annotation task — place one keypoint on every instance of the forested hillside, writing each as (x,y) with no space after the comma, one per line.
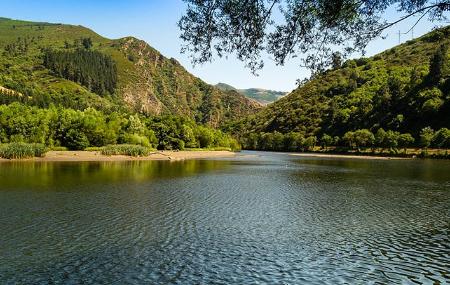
(402,91)
(64,85)
(76,68)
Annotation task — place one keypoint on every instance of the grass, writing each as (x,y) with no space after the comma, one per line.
(22,150)
(126,149)
(94,148)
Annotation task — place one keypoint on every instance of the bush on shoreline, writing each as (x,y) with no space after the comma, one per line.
(22,150)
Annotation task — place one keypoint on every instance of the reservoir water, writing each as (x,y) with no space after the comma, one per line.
(258,218)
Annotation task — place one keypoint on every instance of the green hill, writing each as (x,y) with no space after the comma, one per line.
(404,89)
(66,86)
(139,77)
(260,95)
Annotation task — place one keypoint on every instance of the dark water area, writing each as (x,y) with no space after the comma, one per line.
(259,218)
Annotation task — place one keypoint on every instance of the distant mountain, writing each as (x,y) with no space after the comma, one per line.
(225,87)
(74,67)
(262,96)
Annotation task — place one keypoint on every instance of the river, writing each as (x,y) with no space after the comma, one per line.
(258,218)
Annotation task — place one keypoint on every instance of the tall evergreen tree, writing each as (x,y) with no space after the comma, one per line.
(438,65)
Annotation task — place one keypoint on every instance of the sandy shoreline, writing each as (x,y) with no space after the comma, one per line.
(330,155)
(97,156)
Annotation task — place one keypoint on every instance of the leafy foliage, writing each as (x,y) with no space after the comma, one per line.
(315,29)
(77,130)
(402,90)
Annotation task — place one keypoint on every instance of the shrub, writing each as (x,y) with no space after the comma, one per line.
(405,140)
(126,149)
(234,145)
(177,144)
(205,137)
(76,140)
(441,138)
(22,150)
(326,140)
(426,136)
(136,139)
(363,138)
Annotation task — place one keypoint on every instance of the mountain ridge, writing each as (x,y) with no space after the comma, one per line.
(148,82)
(261,95)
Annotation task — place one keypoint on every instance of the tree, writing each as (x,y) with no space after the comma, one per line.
(336,60)
(316,29)
(251,141)
(93,69)
(441,138)
(293,141)
(363,138)
(349,139)
(76,140)
(278,141)
(432,99)
(405,140)
(205,137)
(87,43)
(426,137)
(326,141)
(336,140)
(310,142)
(380,138)
(189,137)
(135,125)
(438,65)
(391,140)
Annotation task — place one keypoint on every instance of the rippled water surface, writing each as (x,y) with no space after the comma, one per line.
(255,219)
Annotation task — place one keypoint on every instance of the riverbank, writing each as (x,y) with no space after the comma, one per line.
(331,155)
(368,153)
(97,156)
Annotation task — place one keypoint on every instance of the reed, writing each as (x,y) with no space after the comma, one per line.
(22,150)
(126,149)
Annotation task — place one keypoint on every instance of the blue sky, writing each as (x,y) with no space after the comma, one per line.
(155,22)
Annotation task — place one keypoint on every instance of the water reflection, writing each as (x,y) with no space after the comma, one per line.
(267,219)
(64,175)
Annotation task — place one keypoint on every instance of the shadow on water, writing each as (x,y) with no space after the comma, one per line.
(436,171)
(59,176)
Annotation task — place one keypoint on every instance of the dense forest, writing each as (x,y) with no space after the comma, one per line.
(77,130)
(403,92)
(92,69)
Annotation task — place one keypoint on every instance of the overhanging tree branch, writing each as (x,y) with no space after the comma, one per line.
(248,28)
